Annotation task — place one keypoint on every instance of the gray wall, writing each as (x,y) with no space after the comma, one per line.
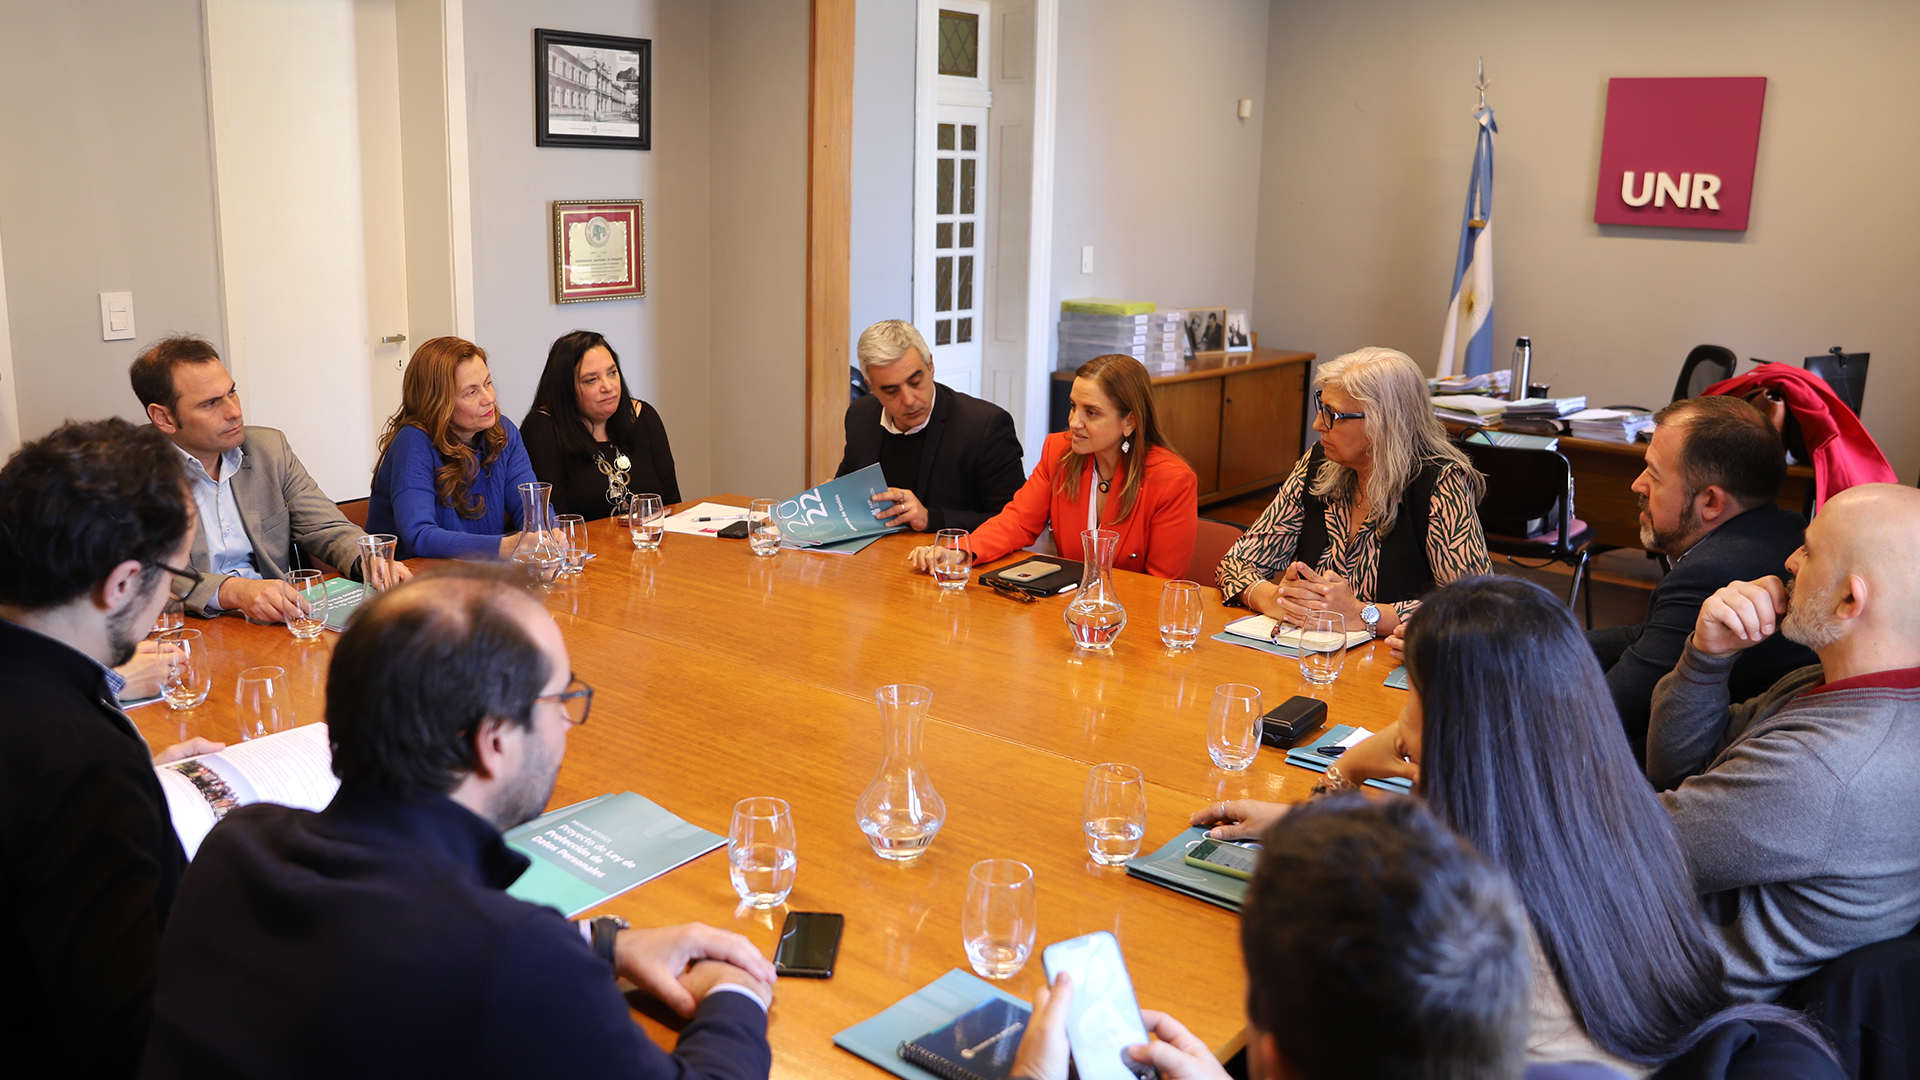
(1369,140)
(105,185)
(880,279)
(1152,166)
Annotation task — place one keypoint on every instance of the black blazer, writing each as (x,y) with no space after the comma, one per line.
(88,866)
(1751,545)
(373,940)
(970,466)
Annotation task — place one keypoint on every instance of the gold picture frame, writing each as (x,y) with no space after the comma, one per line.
(599,250)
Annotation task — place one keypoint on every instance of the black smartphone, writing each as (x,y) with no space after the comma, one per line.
(809,942)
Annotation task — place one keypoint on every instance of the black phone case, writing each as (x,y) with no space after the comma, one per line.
(1067,577)
(1290,721)
(736,531)
(781,966)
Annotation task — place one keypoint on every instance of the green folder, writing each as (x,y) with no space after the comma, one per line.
(593,851)
(344,596)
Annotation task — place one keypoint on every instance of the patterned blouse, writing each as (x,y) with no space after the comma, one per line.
(1456,547)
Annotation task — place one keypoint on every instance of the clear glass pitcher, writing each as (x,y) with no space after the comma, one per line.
(1094,614)
(900,812)
(538,551)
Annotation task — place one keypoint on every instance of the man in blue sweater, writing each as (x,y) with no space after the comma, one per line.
(374,939)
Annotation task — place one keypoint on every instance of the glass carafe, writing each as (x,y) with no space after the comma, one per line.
(900,812)
(1094,614)
(537,550)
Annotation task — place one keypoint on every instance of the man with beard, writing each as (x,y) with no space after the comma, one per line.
(1707,502)
(375,938)
(1797,807)
(91,518)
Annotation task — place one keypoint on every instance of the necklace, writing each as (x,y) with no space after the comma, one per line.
(616,473)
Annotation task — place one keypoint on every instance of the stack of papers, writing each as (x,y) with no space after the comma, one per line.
(1612,425)
(1468,408)
(1466,384)
(1544,408)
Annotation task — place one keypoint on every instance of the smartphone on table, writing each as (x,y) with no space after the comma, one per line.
(809,944)
(1105,1017)
(1221,857)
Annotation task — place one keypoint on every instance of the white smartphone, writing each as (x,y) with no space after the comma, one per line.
(1105,1017)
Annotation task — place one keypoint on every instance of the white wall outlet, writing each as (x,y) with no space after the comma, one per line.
(1086,259)
(116,316)
(1246,108)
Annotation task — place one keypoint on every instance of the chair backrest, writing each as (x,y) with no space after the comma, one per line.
(356,512)
(1845,372)
(1522,486)
(1210,543)
(1867,999)
(1704,366)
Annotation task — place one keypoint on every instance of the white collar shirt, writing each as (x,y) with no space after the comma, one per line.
(886,419)
(228,549)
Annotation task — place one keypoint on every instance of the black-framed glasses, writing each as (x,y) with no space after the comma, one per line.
(575,702)
(185,579)
(1329,415)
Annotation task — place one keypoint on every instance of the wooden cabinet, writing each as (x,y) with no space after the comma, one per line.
(1240,423)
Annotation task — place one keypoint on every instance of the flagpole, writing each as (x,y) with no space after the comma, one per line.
(1466,343)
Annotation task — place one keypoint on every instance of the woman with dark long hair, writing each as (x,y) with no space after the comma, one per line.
(1111,469)
(447,484)
(589,437)
(1512,738)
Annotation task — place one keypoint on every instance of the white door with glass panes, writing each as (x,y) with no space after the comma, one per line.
(959,263)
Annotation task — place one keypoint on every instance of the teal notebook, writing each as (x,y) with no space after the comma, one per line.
(1308,757)
(595,850)
(1168,867)
(836,511)
(1397,678)
(343,599)
(922,1012)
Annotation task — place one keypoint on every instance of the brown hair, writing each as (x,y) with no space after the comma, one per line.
(152,370)
(1125,382)
(1728,442)
(426,402)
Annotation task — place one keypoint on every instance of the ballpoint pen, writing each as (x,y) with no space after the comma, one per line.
(727,517)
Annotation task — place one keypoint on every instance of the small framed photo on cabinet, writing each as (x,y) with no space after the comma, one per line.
(599,250)
(1207,330)
(1239,333)
(592,90)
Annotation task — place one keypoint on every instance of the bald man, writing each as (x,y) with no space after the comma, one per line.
(1797,807)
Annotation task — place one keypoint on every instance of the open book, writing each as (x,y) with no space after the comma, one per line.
(1260,628)
(292,768)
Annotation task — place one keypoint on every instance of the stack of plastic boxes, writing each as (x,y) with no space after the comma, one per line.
(1090,328)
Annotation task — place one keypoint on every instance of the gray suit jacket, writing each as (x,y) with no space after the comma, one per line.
(281,508)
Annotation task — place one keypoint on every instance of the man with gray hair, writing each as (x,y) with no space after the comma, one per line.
(1796,808)
(951,460)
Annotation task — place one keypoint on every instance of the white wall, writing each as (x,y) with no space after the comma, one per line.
(1369,139)
(880,278)
(105,185)
(1152,167)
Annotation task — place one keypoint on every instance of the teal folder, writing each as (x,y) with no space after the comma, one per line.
(1397,678)
(343,599)
(595,850)
(926,1010)
(1252,643)
(1306,758)
(838,510)
(1168,867)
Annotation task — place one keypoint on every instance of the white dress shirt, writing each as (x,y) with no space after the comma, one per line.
(886,421)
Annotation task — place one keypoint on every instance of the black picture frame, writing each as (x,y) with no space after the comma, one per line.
(595,89)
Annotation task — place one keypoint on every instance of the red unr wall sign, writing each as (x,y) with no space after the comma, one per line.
(1679,152)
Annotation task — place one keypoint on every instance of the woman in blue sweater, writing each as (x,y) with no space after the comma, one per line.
(448,481)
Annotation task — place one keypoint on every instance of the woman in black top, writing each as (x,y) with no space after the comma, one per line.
(589,438)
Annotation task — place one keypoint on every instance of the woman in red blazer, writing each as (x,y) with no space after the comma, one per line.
(1110,465)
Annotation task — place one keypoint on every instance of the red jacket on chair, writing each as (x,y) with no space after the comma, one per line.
(1843,453)
(1156,538)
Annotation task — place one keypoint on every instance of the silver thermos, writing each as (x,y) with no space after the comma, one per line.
(1521,370)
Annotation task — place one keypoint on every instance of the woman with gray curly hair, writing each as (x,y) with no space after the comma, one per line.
(1379,513)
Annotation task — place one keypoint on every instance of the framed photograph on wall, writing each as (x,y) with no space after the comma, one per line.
(599,250)
(592,90)
(1239,333)
(1207,330)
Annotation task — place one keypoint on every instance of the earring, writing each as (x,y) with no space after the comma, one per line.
(1126,446)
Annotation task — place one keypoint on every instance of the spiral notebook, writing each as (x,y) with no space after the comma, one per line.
(979,1045)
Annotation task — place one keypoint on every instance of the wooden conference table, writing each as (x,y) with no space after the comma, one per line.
(720,675)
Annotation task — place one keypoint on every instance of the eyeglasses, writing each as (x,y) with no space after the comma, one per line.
(1329,416)
(185,579)
(575,702)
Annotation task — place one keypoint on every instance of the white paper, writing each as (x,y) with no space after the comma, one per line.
(1260,628)
(686,521)
(291,768)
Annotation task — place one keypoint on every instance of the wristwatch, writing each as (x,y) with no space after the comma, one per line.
(606,928)
(1371,616)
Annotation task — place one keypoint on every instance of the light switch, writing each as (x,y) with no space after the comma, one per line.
(116,316)
(1086,259)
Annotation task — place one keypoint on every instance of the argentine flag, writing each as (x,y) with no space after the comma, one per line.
(1467,346)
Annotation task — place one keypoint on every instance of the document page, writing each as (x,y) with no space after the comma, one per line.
(291,768)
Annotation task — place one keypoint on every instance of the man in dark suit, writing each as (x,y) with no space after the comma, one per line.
(951,460)
(256,502)
(375,938)
(91,517)
(1708,502)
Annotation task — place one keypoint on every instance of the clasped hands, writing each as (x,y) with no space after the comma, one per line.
(1305,592)
(681,964)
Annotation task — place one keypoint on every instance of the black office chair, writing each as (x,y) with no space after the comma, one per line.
(1528,510)
(1869,1003)
(1704,366)
(1845,372)
(857,386)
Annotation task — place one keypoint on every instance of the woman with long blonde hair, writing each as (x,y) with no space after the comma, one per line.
(450,465)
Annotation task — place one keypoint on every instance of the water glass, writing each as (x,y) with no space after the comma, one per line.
(1000,920)
(952,558)
(1233,727)
(310,586)
(646,521)
(376,561)
(1180,610)
(263,701)
(1323,647)
(570,535)
(173,616)
(1114,812)
(762,858)
(189,670)
(763,527)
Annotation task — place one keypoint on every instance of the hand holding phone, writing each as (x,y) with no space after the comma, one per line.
(1104,1018)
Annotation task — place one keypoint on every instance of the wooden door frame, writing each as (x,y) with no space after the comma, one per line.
(829,229)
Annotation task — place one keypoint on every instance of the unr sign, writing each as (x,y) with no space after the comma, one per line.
(1710,126)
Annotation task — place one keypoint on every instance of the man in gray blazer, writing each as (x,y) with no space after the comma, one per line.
(257,504)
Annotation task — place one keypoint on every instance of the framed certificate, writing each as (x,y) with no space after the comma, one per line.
(599,250)
(592,90)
